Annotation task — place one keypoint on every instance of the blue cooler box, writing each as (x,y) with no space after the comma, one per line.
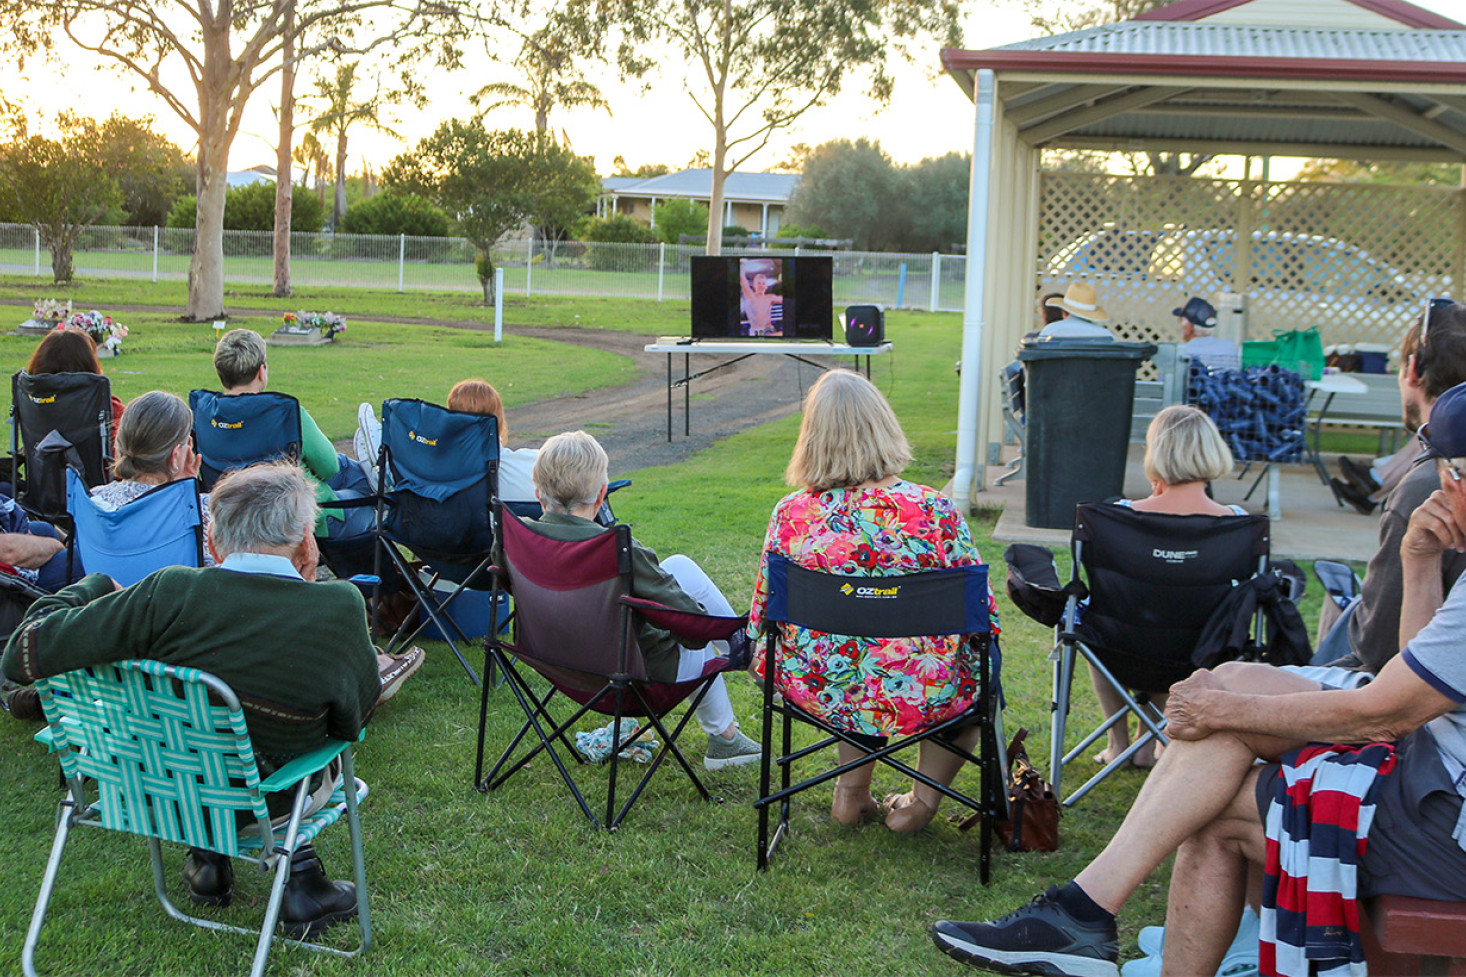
(470,610)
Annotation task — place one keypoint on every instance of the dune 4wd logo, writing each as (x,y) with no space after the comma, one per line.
(414,436)
(226,425)
(1175,556)
(885,593)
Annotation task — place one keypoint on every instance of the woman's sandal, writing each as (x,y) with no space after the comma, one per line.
(906,814)
(852,805)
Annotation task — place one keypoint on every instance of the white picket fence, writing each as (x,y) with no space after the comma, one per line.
(649,271)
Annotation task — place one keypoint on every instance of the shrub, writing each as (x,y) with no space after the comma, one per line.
(614,230)
(681,216)
(252,208)
(395,213)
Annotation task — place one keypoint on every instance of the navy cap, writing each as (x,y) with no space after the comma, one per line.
(1445,435)
(1199,311)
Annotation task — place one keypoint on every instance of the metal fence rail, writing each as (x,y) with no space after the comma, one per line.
(648,271)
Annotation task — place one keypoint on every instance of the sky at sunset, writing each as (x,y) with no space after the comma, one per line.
(928,115)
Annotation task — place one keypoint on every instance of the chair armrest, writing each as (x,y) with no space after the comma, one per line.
(685,624)
(302,767)
(46,736)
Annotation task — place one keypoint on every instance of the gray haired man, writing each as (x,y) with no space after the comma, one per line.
(296,653)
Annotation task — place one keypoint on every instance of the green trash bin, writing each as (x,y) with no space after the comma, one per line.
(1080,395)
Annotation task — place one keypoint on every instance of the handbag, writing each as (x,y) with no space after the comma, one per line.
(1299,350)
(1032,805)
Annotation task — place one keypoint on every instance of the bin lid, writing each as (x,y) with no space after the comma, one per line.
(1086,349)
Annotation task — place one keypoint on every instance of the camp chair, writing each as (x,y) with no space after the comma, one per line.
(936,602)
(162,528)
(575,626)
(1153,581)
(439,481)
(162,751)
(1010,383)
(238,430)
(58,420)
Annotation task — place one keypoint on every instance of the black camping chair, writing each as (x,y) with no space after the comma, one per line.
(937,602)
(575,626)
(1153,581)
(439,485)
(58,420)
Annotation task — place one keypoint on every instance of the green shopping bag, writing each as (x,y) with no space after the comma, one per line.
(1300,350)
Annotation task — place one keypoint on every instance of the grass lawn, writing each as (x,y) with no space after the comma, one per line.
(515,882)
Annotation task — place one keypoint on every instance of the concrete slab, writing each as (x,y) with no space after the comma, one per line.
(1312,526)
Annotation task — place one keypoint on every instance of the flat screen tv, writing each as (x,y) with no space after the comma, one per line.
(774,297)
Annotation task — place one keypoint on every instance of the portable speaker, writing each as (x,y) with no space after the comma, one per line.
(865,325)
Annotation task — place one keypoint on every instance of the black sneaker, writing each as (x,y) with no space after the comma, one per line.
(1040,938)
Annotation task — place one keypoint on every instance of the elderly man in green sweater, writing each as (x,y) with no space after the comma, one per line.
(296,653)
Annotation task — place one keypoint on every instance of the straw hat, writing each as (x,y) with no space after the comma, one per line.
(1081,302)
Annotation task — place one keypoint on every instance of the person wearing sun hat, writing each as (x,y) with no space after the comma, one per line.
(1198,319)
(1083,315)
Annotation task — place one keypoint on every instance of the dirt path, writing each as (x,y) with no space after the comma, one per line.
(629,420)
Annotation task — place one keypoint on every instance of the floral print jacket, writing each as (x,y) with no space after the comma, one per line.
(872,686)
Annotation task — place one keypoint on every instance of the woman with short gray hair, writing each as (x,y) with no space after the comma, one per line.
(571,480)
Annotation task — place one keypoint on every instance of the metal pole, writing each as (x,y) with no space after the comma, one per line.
(984,96)
(498,304)
(38,252)
(661,267)
(528,263)
(401,260)
(936,281)
(155,253)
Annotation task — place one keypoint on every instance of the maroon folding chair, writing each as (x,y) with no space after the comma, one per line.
(575,624)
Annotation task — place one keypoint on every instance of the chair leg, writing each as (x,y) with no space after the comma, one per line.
(766,740)
(48,883)
(358,852)
(1059,710)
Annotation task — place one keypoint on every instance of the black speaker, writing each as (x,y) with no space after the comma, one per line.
(865,325)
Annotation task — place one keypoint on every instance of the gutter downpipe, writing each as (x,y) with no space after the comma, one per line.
(985,92)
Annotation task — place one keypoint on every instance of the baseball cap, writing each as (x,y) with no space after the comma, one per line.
(1199,311)
(1445,435)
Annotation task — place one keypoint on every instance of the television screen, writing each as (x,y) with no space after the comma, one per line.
(779,297)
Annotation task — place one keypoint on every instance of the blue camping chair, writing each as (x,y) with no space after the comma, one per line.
(439,481)
(163,528)
(238,430)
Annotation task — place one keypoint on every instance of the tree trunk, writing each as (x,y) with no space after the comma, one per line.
(284,178)
(715,198)
(206,270)
(484,265)
(62,268)
(340,206)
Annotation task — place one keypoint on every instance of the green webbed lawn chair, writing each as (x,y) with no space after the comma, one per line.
(163,752)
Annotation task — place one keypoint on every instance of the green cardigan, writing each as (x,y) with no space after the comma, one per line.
(297,654)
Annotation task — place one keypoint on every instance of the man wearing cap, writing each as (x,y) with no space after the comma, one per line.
(1083,315)
(1198,318)
(1207,799)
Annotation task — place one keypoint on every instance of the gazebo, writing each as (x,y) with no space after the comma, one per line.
(1355,79)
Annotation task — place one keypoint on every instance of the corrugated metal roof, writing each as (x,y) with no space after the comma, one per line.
(698,183)
(1224,40)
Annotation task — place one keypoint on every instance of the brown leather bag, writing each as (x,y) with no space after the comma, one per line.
(1032,803)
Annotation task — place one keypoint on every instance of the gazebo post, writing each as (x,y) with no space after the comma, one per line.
(969,471)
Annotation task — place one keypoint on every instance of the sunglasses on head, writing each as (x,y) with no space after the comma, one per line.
(1431,304)
(1423,436)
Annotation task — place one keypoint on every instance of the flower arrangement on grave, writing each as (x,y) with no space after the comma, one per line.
(51,311)
(329,323)
(105,331)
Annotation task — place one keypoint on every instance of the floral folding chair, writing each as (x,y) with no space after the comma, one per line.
(162,751)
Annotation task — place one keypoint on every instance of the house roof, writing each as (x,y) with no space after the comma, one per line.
(1214,85)
(1406,15)
(774,188)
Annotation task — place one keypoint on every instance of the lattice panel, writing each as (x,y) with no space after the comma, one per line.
(1354,259)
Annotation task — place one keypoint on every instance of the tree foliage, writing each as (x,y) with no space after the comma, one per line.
(853,189)
(223,52)
(336,112)
(252,208)
(150,170)
(680,216)
(936,203)
(396,213)
(546,62)
(759,65)
(58,186)
(490,183)
(1365,171)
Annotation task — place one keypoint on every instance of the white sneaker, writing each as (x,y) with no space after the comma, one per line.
(368,442)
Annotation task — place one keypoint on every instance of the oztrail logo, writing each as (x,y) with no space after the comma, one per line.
(878,592)
(414,436)
(43,400)
(226,425)
(1175,556)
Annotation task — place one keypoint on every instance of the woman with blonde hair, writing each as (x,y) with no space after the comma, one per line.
(852,513)
(1184,452)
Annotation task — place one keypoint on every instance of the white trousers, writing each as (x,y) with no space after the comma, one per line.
(715,713)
